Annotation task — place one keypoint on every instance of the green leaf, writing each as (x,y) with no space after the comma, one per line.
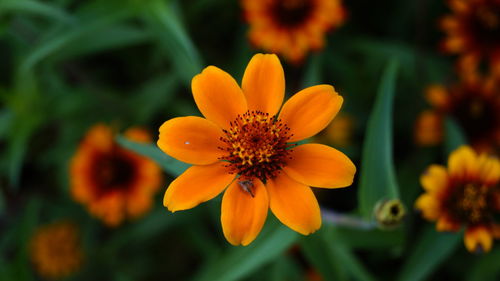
(285,268)
(487,267)
(321,258)
(331,255)
(36,8)
(454,135)
(145,229)
(68,37)
(345,255)
(170,165)
(377,176)
(155,94)
(312,75)
(165,22)
(112,37)
(239,262)
(430,250)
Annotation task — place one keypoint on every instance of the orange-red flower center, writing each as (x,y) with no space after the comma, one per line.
(478,116)
(291,13)
(114,170)
(256,146)
(471,203)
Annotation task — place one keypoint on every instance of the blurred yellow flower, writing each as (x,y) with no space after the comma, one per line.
(113,182)
(473,31)
(291,28)
(244,144)
(55,250)
(467,193)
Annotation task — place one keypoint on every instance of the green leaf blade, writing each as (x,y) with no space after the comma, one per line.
(377,176)
(430,250)
(169,164)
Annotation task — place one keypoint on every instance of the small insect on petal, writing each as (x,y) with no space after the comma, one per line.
(247,186)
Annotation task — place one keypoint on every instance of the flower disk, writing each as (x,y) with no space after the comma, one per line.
(256,145)
(464,194)
(112,182)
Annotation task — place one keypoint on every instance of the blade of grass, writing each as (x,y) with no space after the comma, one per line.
(487,267)
(429,252)
(169,164)
(112,37)
(321,258)
(67,37)
(239,262)
(164,20)
(343,254)
(454,135)
(36,8)
(377,176)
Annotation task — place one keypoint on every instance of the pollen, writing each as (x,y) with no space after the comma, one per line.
(256,145)
(472,204)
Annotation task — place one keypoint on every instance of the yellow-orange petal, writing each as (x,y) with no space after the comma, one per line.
(434,179)
(429,206)
(310,110)
(243,215)
(294,204)
(478,239)
(488,169)
(191,139)
(263,83)
(196,185)
(320,166)
(462,163)
(445,223)
(218,96)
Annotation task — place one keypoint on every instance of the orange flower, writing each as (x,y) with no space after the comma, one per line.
(246,146)
(55,250)
(473,30)
(111,181)
(291,27)
(473,103)
(467,193)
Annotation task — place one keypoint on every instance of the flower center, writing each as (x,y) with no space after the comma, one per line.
(291,13)
(113,171)
(471,203)
(477,116)
(256,146)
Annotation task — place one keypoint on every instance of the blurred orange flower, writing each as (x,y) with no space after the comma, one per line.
(473,31)
(291,28)
(55,250)
(466,194)
(111,181)
(473,103)
(246,146)
(339,132)
(429,128)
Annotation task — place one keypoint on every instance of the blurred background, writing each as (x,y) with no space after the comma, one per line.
(85,85)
